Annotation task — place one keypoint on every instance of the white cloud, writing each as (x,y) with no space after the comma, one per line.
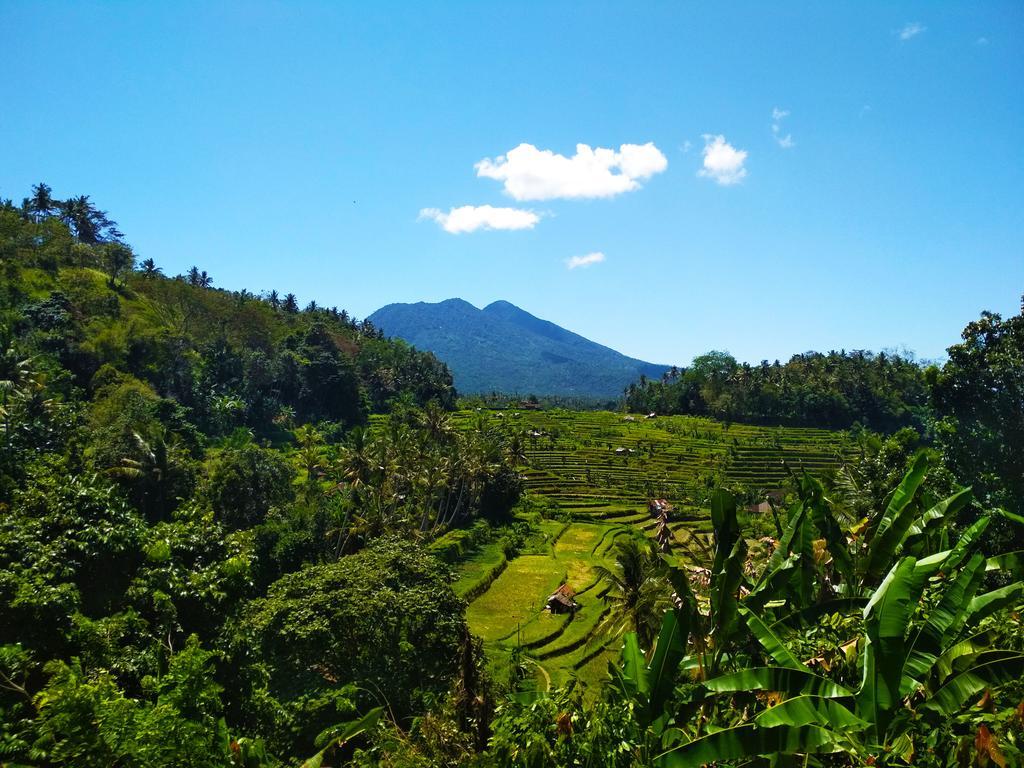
(584,261)
(687,145)
(911,29)
(778,115)
(722,161)
(982,41)
(470,218)
(535,174)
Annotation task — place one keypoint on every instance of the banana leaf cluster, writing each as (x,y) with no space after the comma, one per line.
(918,645)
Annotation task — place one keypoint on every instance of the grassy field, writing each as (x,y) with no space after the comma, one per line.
(599,469)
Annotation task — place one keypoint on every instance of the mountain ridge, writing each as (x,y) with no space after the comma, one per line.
(504,348)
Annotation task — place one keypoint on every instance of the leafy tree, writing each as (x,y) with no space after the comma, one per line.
(149,268)
(118,259)
(245,483)
(637,591)
(384,619)
(979,400)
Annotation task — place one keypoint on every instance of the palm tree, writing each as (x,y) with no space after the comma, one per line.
(638,593)
(154,470)
(41,204)
(87,222)
(149,268)
(291,304)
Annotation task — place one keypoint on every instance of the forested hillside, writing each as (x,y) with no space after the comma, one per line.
(184,475)
(880,391)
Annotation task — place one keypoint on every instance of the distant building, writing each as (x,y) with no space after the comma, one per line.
(561,600)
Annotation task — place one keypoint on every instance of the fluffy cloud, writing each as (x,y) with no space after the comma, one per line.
(778,115)
(470,218)
(584,261)
(529,173)
(911,29)
(722,161)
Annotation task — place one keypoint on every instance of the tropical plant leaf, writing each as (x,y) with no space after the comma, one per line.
(811,710)
(944,620)
(339,734)
(747,741)
(965,543)
(668,653)
(990,602)
(792,682)
(634,667)
(1011,562)
(770,641)
(886,619)
(990,668)
(942,511)
(895,523)
(826,523)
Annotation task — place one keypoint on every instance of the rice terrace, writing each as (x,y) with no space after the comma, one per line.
(593,474)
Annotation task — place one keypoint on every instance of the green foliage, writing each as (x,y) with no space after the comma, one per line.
(839,389)
(245,483)
(86,720)
(385,620)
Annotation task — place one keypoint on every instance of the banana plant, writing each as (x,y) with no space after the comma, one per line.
(917,662)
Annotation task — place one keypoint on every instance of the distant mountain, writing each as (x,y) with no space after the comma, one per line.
(502,348)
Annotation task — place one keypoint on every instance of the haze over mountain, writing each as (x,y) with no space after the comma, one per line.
(502,348)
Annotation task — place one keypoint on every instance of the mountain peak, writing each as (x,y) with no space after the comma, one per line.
(504,348)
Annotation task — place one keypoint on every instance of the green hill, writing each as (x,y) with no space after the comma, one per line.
(502,348)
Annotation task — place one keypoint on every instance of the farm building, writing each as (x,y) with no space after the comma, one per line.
(561,600)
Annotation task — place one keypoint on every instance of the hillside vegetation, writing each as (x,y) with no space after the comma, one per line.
(237,532)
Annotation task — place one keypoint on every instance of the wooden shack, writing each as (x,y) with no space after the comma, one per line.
(561,600)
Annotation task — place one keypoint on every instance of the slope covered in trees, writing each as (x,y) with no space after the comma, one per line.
(835,390)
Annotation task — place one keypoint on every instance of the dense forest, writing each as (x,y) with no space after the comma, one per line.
(228,527)
(881,392)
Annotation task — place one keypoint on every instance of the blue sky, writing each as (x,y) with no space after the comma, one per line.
(295,146)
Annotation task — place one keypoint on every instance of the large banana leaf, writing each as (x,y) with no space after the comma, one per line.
(985,605)
(668,653)
(747,741)
(943,621)
(792,682)
(936,517)
(966,543)
(770,641)
(634,668)
(725,524)
(811,710)
(725,585)
(886,619)
(896,521)
(771,584)
(1011,562)
(990,668)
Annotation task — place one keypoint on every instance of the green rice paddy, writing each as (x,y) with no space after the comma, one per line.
(599,469)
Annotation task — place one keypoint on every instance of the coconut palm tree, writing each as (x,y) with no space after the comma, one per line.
(638,593)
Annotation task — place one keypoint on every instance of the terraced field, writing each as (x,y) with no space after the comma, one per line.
(511,612)
(601,468)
